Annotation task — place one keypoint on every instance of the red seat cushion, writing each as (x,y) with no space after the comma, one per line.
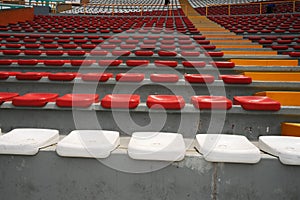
(7,96)
(147,46)
(62,76)
(28,62)
(11,52)
(29,76)
(190,53)
(181,42)
(120,101)
(77,100)
(203,42)
(294,54)
(164,78)
(199,37)
(54,53)
(131,41)
(135,63)
(165,63)
(98,53)
(32,46)
(187,47)
(223,64)
(34,99)
(265,41)
(6,62)
(51,46)
(110,62)
(99,77)
(4,75)
(54,62)
(193,64)
(257,103)
(120,53)
(127,46)
(76,53)
(32,52)
(144,53)
(108,46)
(82,62)
(130,77)
(165,102)
(199,78)
(167,41)
(209,47)
(167,47)
(284,41)
(69,46)
(88,46)
(167,53)
(214,54)
(279,47)
(211,102)
(236,79)
(13,46)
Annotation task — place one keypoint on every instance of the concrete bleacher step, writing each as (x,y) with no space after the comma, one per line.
(264,62)
(274,76)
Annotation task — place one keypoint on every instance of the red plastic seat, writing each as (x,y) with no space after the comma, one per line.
(131,41)
(164,78)
(120,53)
(165,63)
(51,46)
(11,52)
(98,53)
(69,46)
(187,47)
(7,96)
(279,47)
(199,37)
(110,62)
(54,53)
(167,47)
(223,64)
(190,53)
(54,62)
(29,76)
(62,76)
(34,99)
(236,79)
(32,52)
(130,77)
(149,41)
(88,46)
(165,102)
(4,75)
(32,46)
(214,54)
(199,78)
(211,102)
(82,62)
(294,54)
(108,46)
(28,62)
(195,64)
(209,47)
(96,41)
(167,41)
(265,41)
(284,41)
(203,42)
(120,101)
(144,53)
(257,103)
(99,77)
(147,46)
(77,100)
(167,53)
(76,53)
(127,46)
(136,63)
(6,62)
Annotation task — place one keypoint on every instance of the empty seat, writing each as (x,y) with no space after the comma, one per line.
(211,102)
(6,62)
(32,46)
(136,63)
(279,47)
(98,53)
(165,63)
(130,77)
(167,53)
(143,53)
(190,53)
(195,64)
(214,54)
(99,77)
(222,64)
(54,53)
(76,53)
(32,52)
(164,78)
(54,62)
(16,46)
(51,46)
(11,52)
(236,79)
(110,62)
(199,78)
(62,76)
(34,99)
(120,53)
(7,96)
(82,62)
(29,76)
(257,103)
(156,146)
(227,148)
(120,101)
(165,102)
(88,143)
(27,141)
(287,148)
(28,62)
(77,100)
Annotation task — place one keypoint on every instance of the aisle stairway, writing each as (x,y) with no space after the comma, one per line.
(232,44)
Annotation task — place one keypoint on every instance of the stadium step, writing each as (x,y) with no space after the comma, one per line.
(274,76)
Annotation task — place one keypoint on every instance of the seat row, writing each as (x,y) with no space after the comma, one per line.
(131,101)
(152,146)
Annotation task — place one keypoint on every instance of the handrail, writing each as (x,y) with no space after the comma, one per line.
(251,3)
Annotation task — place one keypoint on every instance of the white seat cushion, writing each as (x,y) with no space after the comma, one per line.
(88,143)
(287,148)
(227,148)
(156,146)
(27,141)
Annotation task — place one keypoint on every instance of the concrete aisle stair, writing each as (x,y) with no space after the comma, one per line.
(232,44)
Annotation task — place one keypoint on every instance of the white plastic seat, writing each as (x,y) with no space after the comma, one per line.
(156,146)
(287,148)
(27,141)
(88,143)
(227,148)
